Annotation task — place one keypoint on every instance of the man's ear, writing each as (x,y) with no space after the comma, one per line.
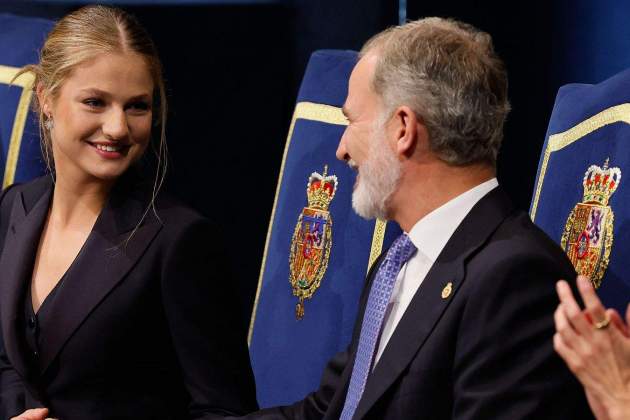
(410,132)
(43,99)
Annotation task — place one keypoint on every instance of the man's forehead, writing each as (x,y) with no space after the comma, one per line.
(360,80)
(364,69)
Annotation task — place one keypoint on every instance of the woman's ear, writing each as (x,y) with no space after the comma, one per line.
(43,100)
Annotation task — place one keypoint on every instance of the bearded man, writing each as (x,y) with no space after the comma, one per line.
(456,319)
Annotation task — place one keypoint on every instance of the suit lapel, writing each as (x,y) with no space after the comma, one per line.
(105,259)
(427,306)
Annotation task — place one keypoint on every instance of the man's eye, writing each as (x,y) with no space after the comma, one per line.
(93,102)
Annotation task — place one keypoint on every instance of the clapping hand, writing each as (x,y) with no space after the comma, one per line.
(595,344)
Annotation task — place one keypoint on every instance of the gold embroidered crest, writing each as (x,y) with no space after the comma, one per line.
(312,239)
(588,233)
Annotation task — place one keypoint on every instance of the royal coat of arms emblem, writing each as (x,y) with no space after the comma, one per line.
(588,233)
(312,239)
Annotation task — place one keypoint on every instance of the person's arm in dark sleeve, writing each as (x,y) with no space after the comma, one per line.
(12,391)
(316,404)
(11,388)
(201,305)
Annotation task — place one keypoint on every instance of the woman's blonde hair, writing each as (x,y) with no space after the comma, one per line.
(81,36)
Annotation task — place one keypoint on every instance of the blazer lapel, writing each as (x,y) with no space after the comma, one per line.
(26,222)
(105,259)
(427,305)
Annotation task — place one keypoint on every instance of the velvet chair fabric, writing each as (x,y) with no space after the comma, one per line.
(589,126)
(20,41)
(289,355)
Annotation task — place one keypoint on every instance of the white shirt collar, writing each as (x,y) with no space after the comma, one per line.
(431,233)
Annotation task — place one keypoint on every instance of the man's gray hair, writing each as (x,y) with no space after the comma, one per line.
(448,73)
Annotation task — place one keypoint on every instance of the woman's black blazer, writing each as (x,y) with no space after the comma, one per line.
(144,326)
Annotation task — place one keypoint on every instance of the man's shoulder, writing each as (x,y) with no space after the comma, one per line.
(523,235)
(518,244)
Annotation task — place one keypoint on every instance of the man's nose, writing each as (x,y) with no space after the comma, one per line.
(342,153)
(116,126)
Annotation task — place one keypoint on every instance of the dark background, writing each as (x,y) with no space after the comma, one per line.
(233,69)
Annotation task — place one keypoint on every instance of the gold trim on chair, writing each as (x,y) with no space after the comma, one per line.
(618,113)
(25,81)
(377,241)
(322,113)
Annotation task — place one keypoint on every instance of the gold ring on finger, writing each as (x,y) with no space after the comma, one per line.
(602,325)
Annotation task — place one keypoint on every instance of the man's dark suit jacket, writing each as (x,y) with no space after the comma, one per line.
(144,326)
(484,351)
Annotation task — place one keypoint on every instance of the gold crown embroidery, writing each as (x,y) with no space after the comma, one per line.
(312,239)
(588,234)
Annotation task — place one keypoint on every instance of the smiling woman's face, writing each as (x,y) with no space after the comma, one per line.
(101,117)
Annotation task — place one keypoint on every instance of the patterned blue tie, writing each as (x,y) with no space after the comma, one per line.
(401,250)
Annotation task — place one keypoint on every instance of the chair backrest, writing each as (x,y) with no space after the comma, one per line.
(582,197)
(20,40)
(318,250)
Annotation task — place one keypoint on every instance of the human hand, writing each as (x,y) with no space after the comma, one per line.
(33,414)
(595,344)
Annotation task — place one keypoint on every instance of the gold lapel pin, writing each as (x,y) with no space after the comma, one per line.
(446,292)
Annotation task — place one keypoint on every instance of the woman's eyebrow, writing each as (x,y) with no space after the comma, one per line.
(105,94)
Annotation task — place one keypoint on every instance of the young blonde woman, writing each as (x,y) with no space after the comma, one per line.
(115,301)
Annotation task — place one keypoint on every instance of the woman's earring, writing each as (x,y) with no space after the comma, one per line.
(49,124)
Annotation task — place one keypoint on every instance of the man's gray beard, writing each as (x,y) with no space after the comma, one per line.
(379,176)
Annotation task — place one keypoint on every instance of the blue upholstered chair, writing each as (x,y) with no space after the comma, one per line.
(318,250)
(582,191)
(20,40)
